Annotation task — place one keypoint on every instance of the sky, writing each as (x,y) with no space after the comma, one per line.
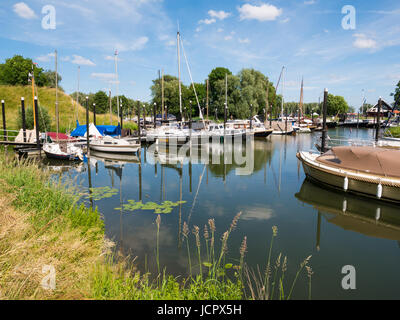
(353,52)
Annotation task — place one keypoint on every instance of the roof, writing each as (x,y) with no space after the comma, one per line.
(383,162)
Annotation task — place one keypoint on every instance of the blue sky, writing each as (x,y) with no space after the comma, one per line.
(306,36)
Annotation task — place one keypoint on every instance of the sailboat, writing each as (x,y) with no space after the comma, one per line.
(301,126)
(282,127)
(61,148)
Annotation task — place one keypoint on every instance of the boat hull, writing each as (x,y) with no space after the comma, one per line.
(61,157)
(114,148)
(356,183)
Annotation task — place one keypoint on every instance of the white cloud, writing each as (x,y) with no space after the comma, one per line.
(227,38)
(264,12)
(23,10)
(207,21)
(46,58)
(285,20)
(221,15)
(104,76)
(363,42)
(244,40)
(82,61)
(220,30)
(310,2)
(139,44)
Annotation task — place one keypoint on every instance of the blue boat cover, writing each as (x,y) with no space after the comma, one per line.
(112,131)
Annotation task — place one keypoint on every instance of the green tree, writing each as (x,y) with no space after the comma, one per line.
(16,70)
(50,79)
(44,119)
(336,105)
(101,101)
(216,75)
(396,96)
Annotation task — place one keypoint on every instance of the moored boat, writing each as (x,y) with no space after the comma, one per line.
(113,145)
(373,172)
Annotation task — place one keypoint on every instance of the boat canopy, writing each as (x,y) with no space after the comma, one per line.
(112,131)
(378,161)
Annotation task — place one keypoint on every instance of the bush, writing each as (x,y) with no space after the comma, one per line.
(44,119)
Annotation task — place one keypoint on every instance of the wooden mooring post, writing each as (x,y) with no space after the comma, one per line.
(3,112)
(87,128)
(378,119)
(23,117)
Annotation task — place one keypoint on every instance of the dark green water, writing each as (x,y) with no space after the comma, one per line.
(309,218)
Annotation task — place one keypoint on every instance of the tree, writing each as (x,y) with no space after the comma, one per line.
(216,75)
(336,105)
(396,96)
(235,104)
(16,70)
(44,119)
(50,79)
(101,101)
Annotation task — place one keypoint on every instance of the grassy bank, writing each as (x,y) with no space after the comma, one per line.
(42,227)
(47,99)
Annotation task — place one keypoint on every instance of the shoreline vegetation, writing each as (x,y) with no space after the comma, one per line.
(42,224)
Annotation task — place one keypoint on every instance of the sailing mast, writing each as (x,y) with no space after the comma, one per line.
(57,112)
(179,73)
(77,96)
(33,97)
(207,101)
(301,102)
(283,79)
(162,93)
(117,82)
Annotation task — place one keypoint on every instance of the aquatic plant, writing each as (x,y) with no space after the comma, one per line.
(163,208)
(100,193)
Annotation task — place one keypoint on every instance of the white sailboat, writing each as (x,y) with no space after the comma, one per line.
(64,150)
(284,127)
(114,145)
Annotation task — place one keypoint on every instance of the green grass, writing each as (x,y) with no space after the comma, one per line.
(47,99)
(395,132)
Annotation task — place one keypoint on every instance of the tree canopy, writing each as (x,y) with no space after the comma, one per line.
(16,70)
(396,95)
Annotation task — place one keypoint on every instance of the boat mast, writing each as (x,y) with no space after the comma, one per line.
(162,93)
(301,102)
(283,81)
(117,82)
(179,73)
(57,114)
(77,96)
(207,101)
(33,97)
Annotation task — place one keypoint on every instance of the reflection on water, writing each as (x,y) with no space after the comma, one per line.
(348,230)
(372,218)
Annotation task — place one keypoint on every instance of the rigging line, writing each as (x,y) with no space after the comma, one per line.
(194,88)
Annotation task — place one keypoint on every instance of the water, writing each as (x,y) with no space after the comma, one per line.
(309,218)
